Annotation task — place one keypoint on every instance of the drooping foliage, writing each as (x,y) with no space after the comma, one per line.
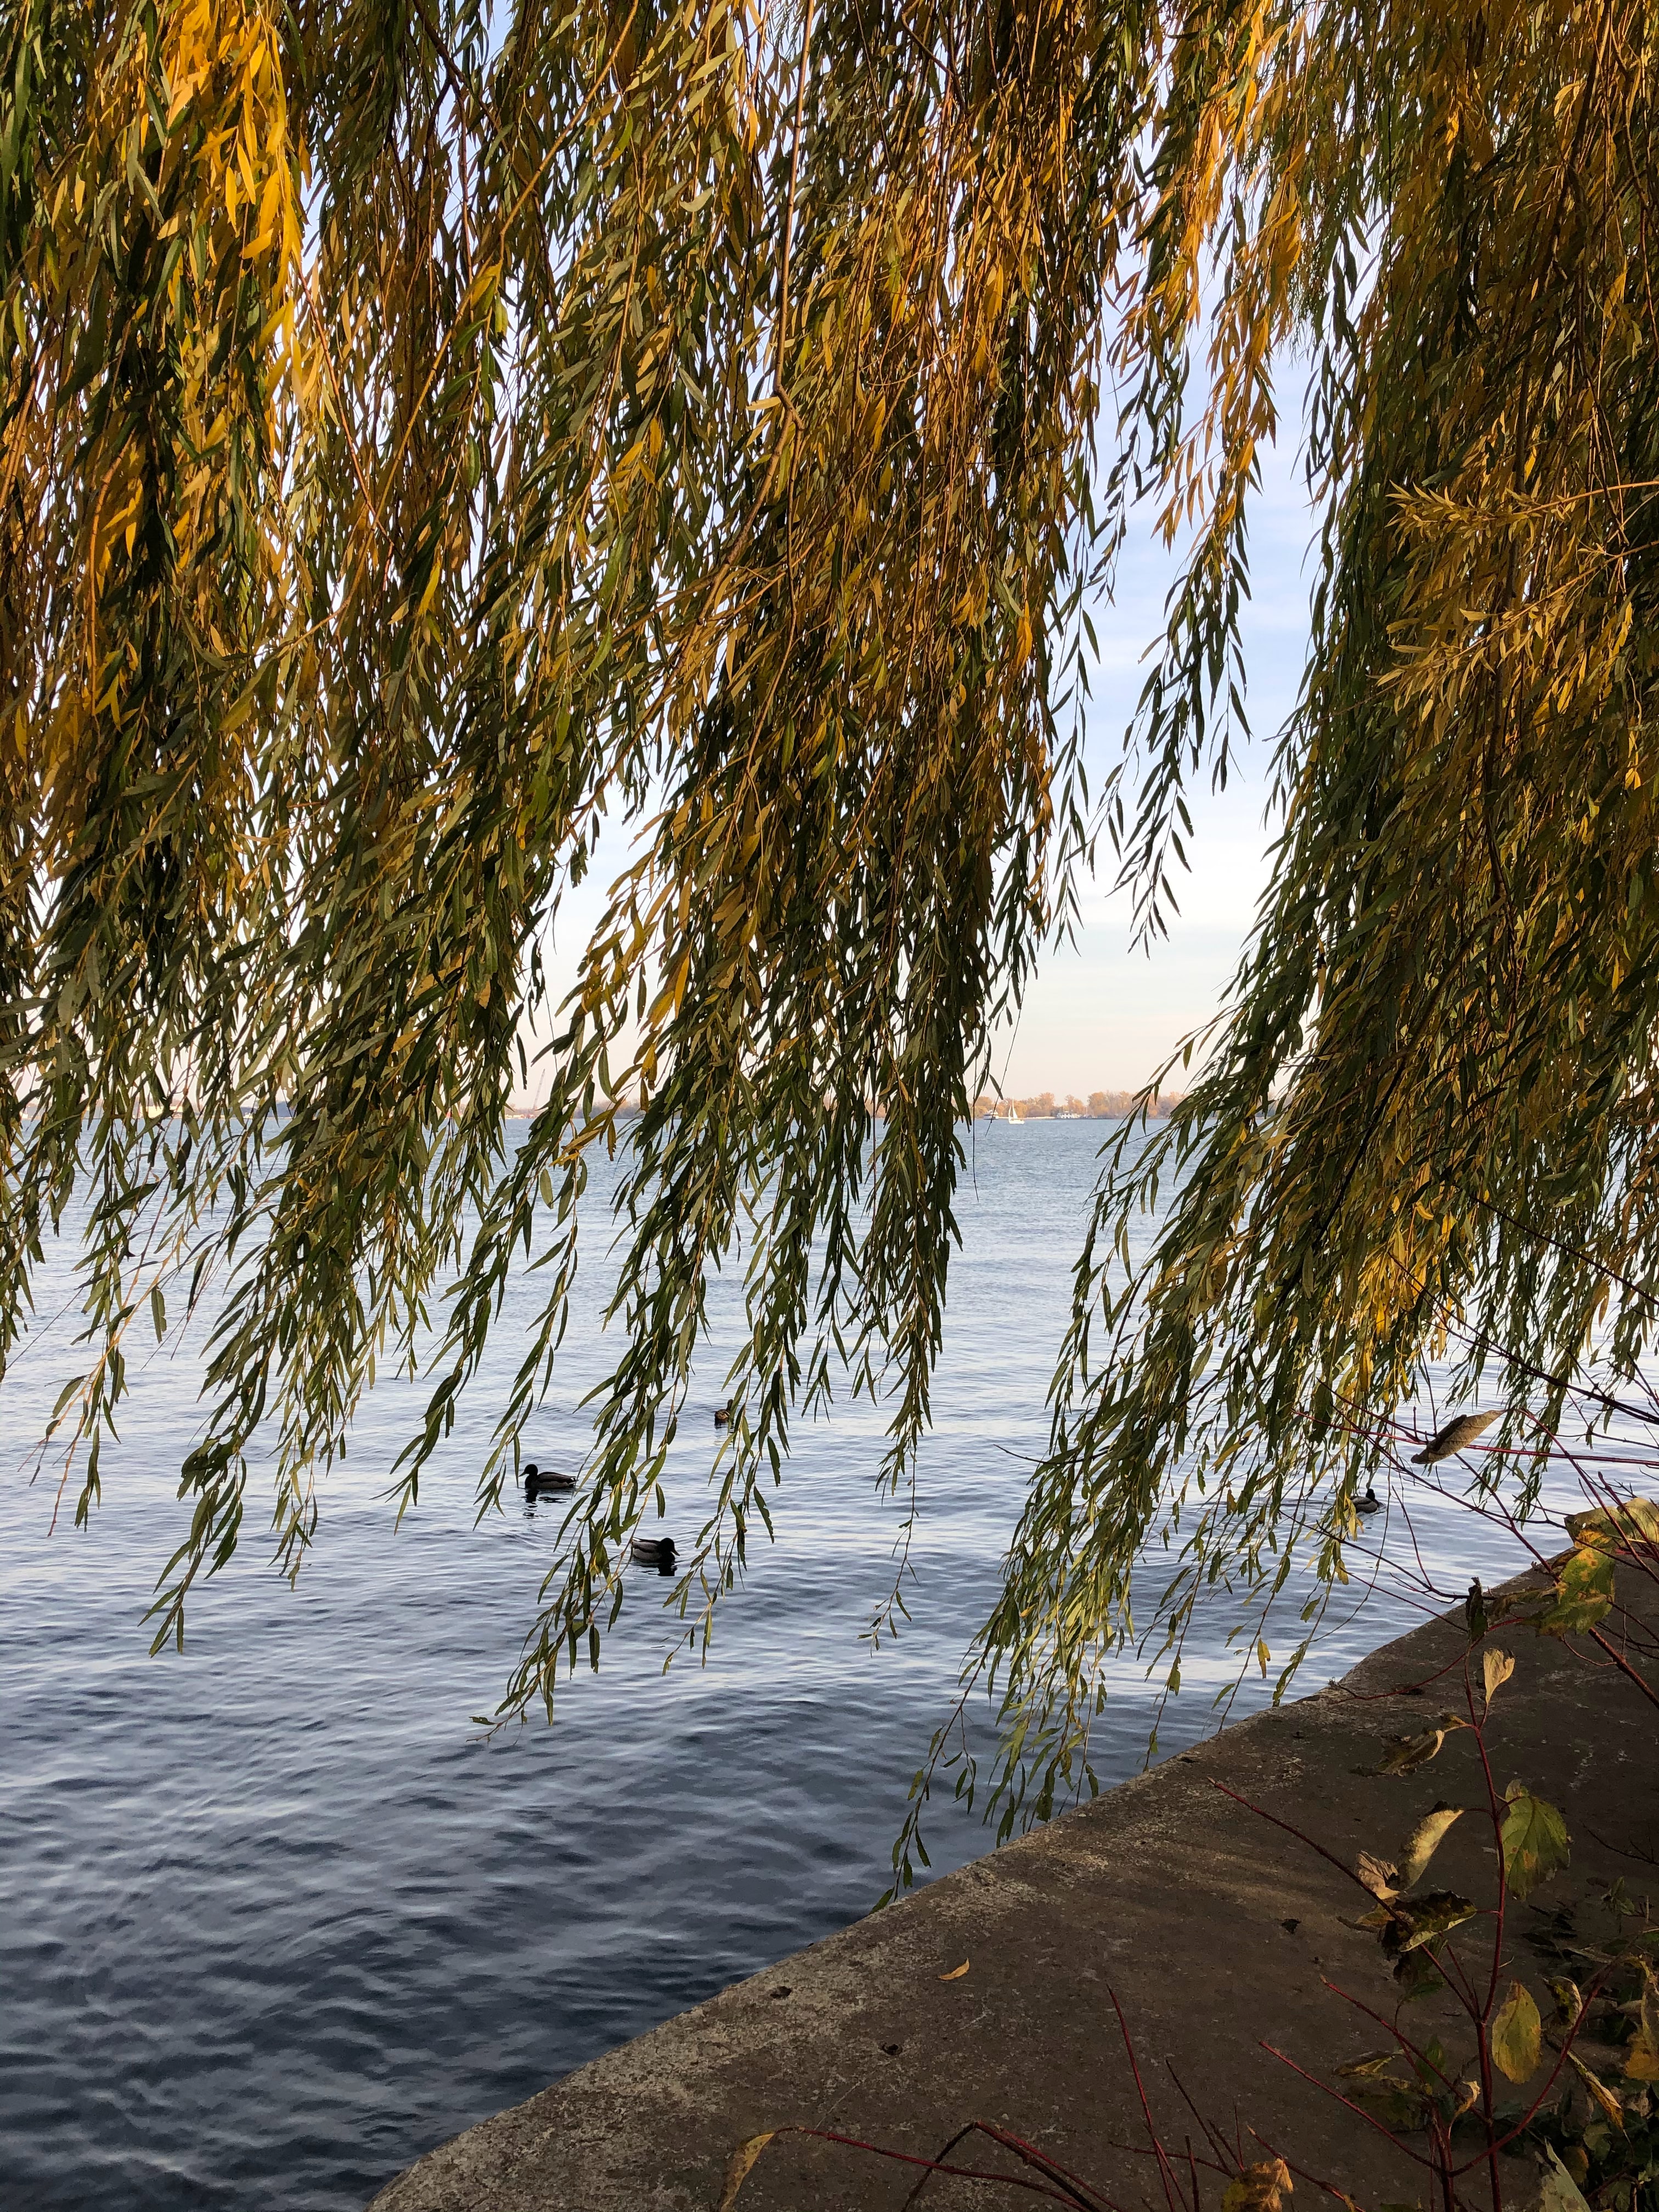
(432,432)
(1428,1127)
(429,432)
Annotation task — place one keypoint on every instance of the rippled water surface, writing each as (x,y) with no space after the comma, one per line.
(275,1916)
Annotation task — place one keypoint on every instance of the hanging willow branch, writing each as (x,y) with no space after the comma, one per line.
(428,433)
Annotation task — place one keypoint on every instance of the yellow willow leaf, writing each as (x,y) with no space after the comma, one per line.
(739,2166)
(956,1973)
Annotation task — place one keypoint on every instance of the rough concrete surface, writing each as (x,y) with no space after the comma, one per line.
(1214,1929)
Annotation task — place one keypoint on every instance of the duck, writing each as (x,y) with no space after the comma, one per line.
(723,1415)
(1371,1503)
(539,1483)
(656,1551)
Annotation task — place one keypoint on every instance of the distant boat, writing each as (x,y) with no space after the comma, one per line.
(1014,1116)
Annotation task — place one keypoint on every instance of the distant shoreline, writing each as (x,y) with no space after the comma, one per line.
(1098,1106)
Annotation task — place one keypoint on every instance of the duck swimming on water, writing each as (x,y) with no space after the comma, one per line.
(1371,1503)
(723,1415)
(539,1484)
(656,1551)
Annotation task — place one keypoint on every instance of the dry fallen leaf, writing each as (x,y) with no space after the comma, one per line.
(738,2164)
(1260,2189)
(956,1972)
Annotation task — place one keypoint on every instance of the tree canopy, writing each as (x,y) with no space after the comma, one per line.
(429,431)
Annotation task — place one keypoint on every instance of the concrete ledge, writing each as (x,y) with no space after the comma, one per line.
(1214,1929)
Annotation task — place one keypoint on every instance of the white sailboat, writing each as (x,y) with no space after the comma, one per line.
(1013,1116)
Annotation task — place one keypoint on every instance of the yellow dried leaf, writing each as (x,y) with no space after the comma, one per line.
(739,2166)
(1495,1667)
(1599,2091)
(1259,2188)
(1382,1879)
(1424,1840)
(956,1972)
(1642,2053)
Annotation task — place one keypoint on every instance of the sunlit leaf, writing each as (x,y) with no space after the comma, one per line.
(1424,1839)
(1633,1520)
(1424,1919)
(1642,2051)
(1264,2188)
(1517,2032)
(1404,1754)
(1380,1876)
(1535,1840)
(739,2167)
(1583,1593)
(1600,2095)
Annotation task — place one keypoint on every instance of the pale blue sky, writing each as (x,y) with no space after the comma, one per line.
(1101,1016)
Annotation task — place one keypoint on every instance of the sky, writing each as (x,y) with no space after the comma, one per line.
(1102,1016)
(1099,1015)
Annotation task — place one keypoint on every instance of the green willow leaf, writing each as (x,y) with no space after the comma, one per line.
(428,437)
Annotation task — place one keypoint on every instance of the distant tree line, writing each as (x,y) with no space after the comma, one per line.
(1099,1106)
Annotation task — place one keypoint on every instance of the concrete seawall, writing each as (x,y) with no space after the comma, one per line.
(1214,1930)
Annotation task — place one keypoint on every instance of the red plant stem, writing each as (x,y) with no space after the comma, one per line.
(1301,2171)
(1033,2156)
(1483,2024)
(1329,1857)
(1411,2051)
(1457,1978)
(1404,1689)
(962,2173)
(1537,2105)
(1076,2191)
(1625,1666)
(1216,2140)
(1165,2174)
(1415,2157)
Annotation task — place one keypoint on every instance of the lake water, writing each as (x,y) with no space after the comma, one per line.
(274,1916)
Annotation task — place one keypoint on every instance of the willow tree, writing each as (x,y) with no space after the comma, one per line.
(429,432)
